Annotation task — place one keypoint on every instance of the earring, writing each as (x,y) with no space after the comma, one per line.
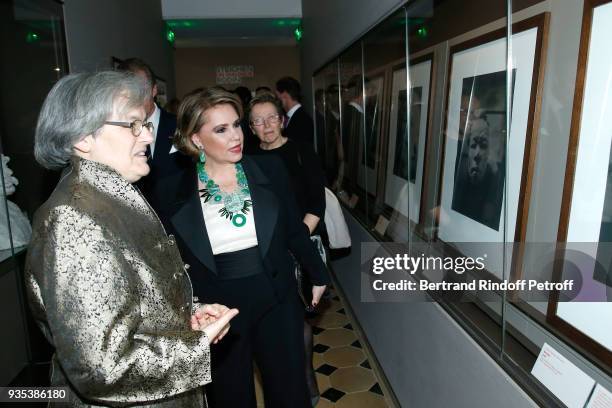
(202,155)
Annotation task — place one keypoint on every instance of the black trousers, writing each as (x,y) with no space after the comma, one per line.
(269,331)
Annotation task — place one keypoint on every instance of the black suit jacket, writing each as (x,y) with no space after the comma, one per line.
(300,127)
(277,222)
(163,140)
(162,162)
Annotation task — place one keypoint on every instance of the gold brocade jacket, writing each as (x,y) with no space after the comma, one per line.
(109,290)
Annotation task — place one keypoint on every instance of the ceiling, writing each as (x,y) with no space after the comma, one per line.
(234,32)
(206,23)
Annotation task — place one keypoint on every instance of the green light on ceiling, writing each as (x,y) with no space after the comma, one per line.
(298,33)
(422,32)
(181,23)
(32,37)
(170,36)
(287,22)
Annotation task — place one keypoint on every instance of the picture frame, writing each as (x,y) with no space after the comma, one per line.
(369,145)
(472,184)
(405,166)
(586,206)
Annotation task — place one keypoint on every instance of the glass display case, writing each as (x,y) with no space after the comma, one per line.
(483,128)
(33,44)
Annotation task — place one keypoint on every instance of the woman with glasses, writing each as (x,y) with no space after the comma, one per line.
(105,282)
(307,180)
(235,220)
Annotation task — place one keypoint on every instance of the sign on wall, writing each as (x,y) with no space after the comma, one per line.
(233,74)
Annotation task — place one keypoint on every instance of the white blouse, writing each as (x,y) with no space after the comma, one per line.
(223,235)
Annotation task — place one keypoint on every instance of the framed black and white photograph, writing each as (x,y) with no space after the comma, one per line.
(586,209)
(475,184)
(369,145)
(407,137)
(478,183)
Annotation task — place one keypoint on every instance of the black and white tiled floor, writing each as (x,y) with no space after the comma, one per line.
(344,374)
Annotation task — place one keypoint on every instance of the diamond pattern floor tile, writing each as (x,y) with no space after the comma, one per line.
(326,369)
(322,382)
(362,400)
(344,375)
(345,356)
(336,337)
(332,394)
(330,320)
(352,379)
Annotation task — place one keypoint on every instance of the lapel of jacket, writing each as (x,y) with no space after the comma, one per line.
(162,140)
(188,220)
(265,203)
(295,118)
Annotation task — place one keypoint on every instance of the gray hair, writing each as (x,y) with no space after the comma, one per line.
(77,106)
(266,98)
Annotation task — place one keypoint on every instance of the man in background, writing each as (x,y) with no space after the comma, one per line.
(299,126)
(164,124)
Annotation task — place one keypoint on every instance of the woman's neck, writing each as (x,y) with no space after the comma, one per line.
(281,140)
(221,171)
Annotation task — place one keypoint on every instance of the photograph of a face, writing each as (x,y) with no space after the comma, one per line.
(401,164)
(480,166)
(405,155)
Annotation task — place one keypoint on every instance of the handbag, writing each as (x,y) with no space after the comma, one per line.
(304,284)
(335,224)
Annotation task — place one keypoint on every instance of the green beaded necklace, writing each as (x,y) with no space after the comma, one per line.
(236,203)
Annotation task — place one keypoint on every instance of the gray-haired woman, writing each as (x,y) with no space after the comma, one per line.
(105,282)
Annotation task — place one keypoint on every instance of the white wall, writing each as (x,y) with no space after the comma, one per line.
(192,9)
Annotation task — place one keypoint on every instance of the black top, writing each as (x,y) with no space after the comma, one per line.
(306,174)
(300,127)
(277,223)
(239,264)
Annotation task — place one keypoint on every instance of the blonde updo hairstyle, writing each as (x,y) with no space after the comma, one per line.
(191,115)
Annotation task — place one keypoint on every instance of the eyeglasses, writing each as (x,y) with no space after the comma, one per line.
(136,126)
(270,120)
